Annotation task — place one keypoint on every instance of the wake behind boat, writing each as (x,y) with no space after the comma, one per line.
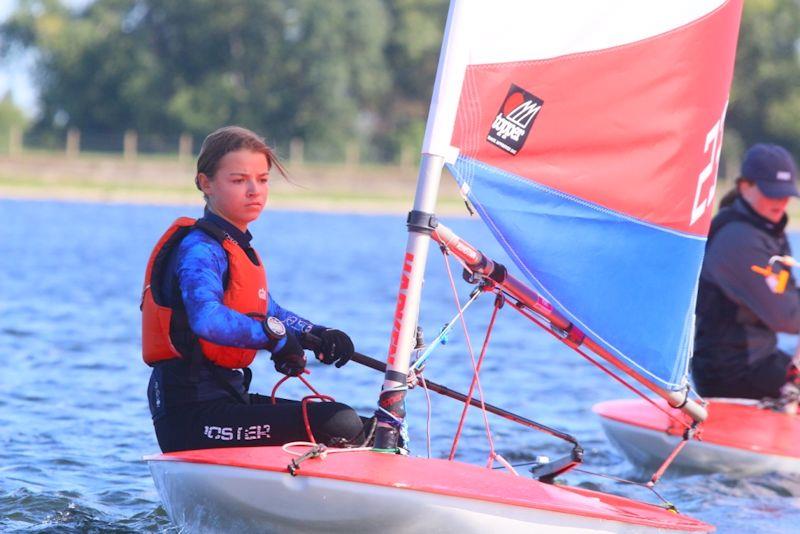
(739,437)
(587,137)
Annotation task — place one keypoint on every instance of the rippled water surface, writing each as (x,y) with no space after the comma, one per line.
(74,423)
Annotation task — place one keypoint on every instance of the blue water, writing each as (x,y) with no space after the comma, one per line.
(74,423)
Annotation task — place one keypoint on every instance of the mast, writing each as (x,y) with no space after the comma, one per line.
(421,223)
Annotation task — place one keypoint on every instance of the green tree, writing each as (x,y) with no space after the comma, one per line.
(765,98)
(412,52)
(326,71)
(11,116)
(288,68)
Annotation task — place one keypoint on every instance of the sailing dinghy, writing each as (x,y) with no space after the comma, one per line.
(740,436)
(586,134)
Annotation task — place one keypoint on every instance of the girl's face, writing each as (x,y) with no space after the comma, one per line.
(771,209)
(239,188)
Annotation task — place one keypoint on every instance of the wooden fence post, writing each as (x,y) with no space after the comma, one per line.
(14,140)
(73,142)
(130,144)
(353,155)
(406,156)
(184,147)
(296,151)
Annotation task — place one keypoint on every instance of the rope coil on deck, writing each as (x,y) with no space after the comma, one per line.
(316,450)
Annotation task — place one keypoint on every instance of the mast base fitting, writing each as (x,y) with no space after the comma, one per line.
(419,221)
(387,438)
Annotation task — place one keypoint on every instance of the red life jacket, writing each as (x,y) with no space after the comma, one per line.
(165,330)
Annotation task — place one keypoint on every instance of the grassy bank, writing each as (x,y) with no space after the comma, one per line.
(364,189)
(160,180)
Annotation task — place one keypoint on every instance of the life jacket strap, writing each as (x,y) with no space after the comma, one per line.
(197,360)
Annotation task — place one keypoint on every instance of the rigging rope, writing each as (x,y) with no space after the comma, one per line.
(442,337)
(316,450)
(280,382)
(668,504)
(320,451)
(476,366)
(522,310)
(304,409)
(304,402)
(691,428)
(645,485)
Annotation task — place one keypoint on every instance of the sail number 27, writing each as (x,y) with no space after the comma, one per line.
(713,147)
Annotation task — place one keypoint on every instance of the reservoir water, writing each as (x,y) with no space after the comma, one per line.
(74,423)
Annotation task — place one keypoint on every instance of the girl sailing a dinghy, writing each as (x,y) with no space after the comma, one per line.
(207,309)
(738,314)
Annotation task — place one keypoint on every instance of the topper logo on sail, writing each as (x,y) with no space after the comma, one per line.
(514,120)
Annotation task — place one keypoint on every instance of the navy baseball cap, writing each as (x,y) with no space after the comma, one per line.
(772,169)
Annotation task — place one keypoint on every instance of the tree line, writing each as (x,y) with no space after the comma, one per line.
(327,72)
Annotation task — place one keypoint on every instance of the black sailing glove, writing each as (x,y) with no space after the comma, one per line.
(334,346)
(290,359)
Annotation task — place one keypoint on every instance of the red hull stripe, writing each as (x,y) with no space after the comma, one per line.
(642,140)
(447,478)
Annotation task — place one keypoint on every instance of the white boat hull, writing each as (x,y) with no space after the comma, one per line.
(330,495)
(737,438)
(233,499)
(649,448)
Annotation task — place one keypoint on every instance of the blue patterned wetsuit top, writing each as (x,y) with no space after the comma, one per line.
(199,266)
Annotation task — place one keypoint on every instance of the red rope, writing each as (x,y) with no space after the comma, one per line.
(619,379)
(309,386)
(304,402)
(475,366)
(304,408)
(476,369)
(277,385)
(287,377)
(660,471)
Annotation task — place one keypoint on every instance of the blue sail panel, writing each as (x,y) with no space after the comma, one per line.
(621,280)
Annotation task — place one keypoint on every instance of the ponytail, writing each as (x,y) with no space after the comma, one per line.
(731,195)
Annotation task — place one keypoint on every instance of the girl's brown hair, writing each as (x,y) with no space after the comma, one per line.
(230,139)
(731,195)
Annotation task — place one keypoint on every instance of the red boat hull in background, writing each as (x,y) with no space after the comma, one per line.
(738,436)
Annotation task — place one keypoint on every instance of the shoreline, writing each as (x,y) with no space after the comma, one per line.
(320,202)
(360,189)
